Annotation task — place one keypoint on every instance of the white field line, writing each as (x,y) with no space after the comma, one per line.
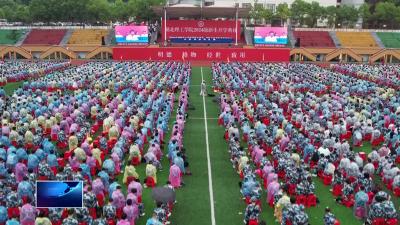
(210,185)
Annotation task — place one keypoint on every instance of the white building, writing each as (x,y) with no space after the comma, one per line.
(271,4)
(355,3)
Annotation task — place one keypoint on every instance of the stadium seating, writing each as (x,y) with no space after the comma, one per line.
(389,40)
(314,38)
(10,37)
(87,37)
(45,37)
(356,39)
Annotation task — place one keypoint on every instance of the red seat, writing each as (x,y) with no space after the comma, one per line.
(376,164)
(397,191)
(220,121)
(337,190)
(129,179)
(92,212)
(301,199)
(314,38)
(119,213)
(135,161)
(292,189)
(13,212)
(150,182)
(111,221)
(393,221)
(281,174)
(58,222)
(379,221)
(327,179)
(363,155)
(389,184)
(311,201)
(348,202)
(64,214)
(54,137)
(271,202)
(45,36)
(100,200)
(253,222)
(67,154)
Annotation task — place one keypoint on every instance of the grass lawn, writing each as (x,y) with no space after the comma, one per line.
(10,87)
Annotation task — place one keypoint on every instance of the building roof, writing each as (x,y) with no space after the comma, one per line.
(190,11)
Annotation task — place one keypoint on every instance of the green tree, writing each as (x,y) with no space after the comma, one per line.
(314,12)
(2,14)
(99,10)
(386,12)
(330,15)
(259,13)
(298,11)
(282,12)
(22,14)
(43,10)
(142,9)
(365,13)
(346,16)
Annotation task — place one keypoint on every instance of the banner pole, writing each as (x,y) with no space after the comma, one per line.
(236,42)
(165,26)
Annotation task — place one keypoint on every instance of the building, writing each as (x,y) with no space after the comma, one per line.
(271,4)
(266,3)
(355,3)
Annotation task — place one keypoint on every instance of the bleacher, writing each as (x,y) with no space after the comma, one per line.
(10,37)
(45,37)
(389,40)
(87,37)
(314,38)
(356,39)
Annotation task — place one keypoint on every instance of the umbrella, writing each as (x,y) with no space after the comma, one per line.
(163,194)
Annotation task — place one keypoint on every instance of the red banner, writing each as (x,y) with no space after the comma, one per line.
(203,54)
(201,29)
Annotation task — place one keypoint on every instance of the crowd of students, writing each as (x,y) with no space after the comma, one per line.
(95,123)
(300,121)
(13,71)
(99,121)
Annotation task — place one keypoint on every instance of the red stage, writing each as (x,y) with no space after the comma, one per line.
(202,54)
(200,29)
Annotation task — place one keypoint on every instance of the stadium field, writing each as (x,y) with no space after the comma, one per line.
(219,202)
(193,205)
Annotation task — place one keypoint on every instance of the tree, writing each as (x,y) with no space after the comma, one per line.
(314,12)
(330,15)
(44,10)
(365,13)
(386,12)
(283,12)
(259,13)
(22,14)
(346,16)
(99,10)
(77,10)
(2,14)
(298,11)
(142,9)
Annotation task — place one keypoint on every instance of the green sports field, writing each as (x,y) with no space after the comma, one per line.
(209,161)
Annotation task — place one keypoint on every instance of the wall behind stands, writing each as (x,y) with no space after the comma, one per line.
(202,54)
